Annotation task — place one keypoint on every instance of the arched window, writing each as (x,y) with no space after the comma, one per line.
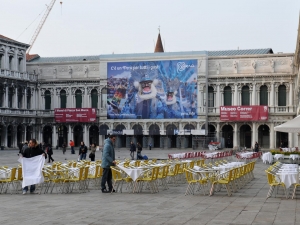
(263,95)
(63,99)
(28,99)
(227,96)
(245,96)
(10,62)
(94,98)
(103,98)
(282,95)
(210,100)
(20,98)
(10,97)
(47,100)
(78,98)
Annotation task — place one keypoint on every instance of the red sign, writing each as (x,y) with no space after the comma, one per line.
(75,115)
(244,113)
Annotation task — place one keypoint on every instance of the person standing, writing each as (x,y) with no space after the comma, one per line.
(256,147)
(150,146)
(49,153)
(132,150)
(108,160)
(93,152)
(20,145)
(72,147)
(30,152)
(82,151)
(64,147)
(139,151)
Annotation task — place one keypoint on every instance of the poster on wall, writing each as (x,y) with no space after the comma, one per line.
(75,115)
(152,89)
(244,113)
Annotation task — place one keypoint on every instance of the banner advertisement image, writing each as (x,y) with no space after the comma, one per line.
(75,115)
(244,113)
(152,89)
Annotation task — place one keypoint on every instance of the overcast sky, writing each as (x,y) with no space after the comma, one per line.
(94,27)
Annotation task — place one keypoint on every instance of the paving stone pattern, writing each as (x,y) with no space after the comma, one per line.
(247,206)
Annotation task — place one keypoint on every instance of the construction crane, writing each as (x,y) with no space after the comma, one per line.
(40,26)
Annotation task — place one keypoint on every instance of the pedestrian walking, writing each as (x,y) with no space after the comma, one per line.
(150,146)
(108,160)
(64,147)
(132,150)
(82,151)
(72,146)
(139,151)
(49,153)
(93,152)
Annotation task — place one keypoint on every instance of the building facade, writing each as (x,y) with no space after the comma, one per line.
(30,93)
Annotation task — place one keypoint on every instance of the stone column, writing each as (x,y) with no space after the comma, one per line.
(16,98)
(85,135)
(6,96)
(291,140)
(54,136)
(272,136)
(69,134)
(85,98)
(291,98)
(218,132)
(69,99)
(218,99)
(254,133)
(25,134)
(25,99)
(235,95)
(53,96)
(254,94)
(235,132)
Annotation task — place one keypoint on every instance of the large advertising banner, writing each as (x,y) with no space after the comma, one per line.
(244,113)
(152,89)
(75,115)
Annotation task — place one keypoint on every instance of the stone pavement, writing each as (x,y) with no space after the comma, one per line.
(247,206)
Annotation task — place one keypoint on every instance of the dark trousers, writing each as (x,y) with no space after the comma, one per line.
(107,177)
(92,157)
(132,154)
(50,158)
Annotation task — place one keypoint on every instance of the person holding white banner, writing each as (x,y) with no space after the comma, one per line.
(32,151)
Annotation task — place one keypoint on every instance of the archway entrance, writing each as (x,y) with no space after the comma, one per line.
(245,136)
(227,136)
(138,133)
(282,139)
(28,133)
(9,136)
(20,132)
(94,135)
(103,130)
(170,132)
(78,135)
(187,132)
(47,135)
(264,136)
(154,132)
(62,135)
(121,139)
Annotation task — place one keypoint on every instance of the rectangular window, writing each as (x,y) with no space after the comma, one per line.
(210,100)
(78,101)
(20,65)
(227,98)
(10,63)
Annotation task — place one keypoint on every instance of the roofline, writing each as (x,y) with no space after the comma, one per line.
(8,40)
(252,56)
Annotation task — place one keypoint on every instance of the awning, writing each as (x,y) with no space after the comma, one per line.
(291,126)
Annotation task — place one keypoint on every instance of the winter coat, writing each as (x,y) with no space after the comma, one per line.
(108,155)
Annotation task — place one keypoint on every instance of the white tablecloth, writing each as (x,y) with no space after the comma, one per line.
(228,166)
(134,173)
(210,155)
(289,178)
(278,156)
(178,155)
(288,149)
(294,156)
(267,157)
(246,155)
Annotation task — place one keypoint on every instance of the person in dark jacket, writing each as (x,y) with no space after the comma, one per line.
(139,151)
(20,145)
(82,151)
(32,151)
(108,160)
(93,152)
(132,150)
(256,147)
(64,147)
(49,153)
(25,146)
